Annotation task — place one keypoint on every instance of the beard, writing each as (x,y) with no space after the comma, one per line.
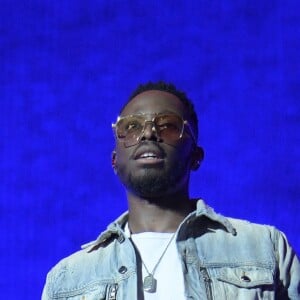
(154,183)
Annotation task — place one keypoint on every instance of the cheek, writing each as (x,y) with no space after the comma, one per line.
(122,155)
(182,153)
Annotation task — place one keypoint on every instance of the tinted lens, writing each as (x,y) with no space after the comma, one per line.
(169,127)
(130,129)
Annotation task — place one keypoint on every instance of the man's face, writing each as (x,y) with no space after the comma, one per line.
(153,168)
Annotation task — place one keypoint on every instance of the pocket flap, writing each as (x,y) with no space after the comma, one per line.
(246,277)
(90,292)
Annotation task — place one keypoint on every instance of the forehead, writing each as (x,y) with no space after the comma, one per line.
(152,102)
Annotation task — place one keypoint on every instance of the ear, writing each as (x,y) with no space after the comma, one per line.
(197,158)
(113,160)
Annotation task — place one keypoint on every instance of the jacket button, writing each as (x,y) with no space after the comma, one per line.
(121,239)
(122,270)
(245,278)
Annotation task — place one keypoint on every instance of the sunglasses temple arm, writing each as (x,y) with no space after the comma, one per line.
(191,132)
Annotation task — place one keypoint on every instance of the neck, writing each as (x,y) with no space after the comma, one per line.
(159,214)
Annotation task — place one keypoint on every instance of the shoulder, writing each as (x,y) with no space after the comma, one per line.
(241,224)
(82,270)
(237,227)
(90,255)
(248,227)
(256,231)
(70,265)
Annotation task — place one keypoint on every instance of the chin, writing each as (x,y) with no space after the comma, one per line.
(150,185)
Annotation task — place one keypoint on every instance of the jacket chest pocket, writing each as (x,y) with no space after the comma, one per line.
(98,292)
(247,282)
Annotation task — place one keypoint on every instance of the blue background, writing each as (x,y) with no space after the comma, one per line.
(68,66)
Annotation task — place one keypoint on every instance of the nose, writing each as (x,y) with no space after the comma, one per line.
(149,132)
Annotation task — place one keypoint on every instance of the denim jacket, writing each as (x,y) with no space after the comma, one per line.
(222,258)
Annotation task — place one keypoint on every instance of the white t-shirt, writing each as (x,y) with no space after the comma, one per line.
(168,273)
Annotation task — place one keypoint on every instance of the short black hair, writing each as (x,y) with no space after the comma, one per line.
(169,88)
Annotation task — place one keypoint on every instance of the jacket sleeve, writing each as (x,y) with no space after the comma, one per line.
(51,281)
(288,269)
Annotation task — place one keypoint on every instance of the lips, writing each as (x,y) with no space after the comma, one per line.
(148,153)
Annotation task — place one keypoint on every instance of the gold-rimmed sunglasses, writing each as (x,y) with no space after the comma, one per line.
(168,127)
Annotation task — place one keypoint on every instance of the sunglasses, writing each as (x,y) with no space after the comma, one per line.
(168,127)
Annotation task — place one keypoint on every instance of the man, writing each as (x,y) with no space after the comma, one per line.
(168,246)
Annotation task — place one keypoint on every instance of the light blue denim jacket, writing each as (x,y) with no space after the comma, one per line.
(222,258)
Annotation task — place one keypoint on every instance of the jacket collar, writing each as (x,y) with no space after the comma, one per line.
(115,229)
(204,210)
